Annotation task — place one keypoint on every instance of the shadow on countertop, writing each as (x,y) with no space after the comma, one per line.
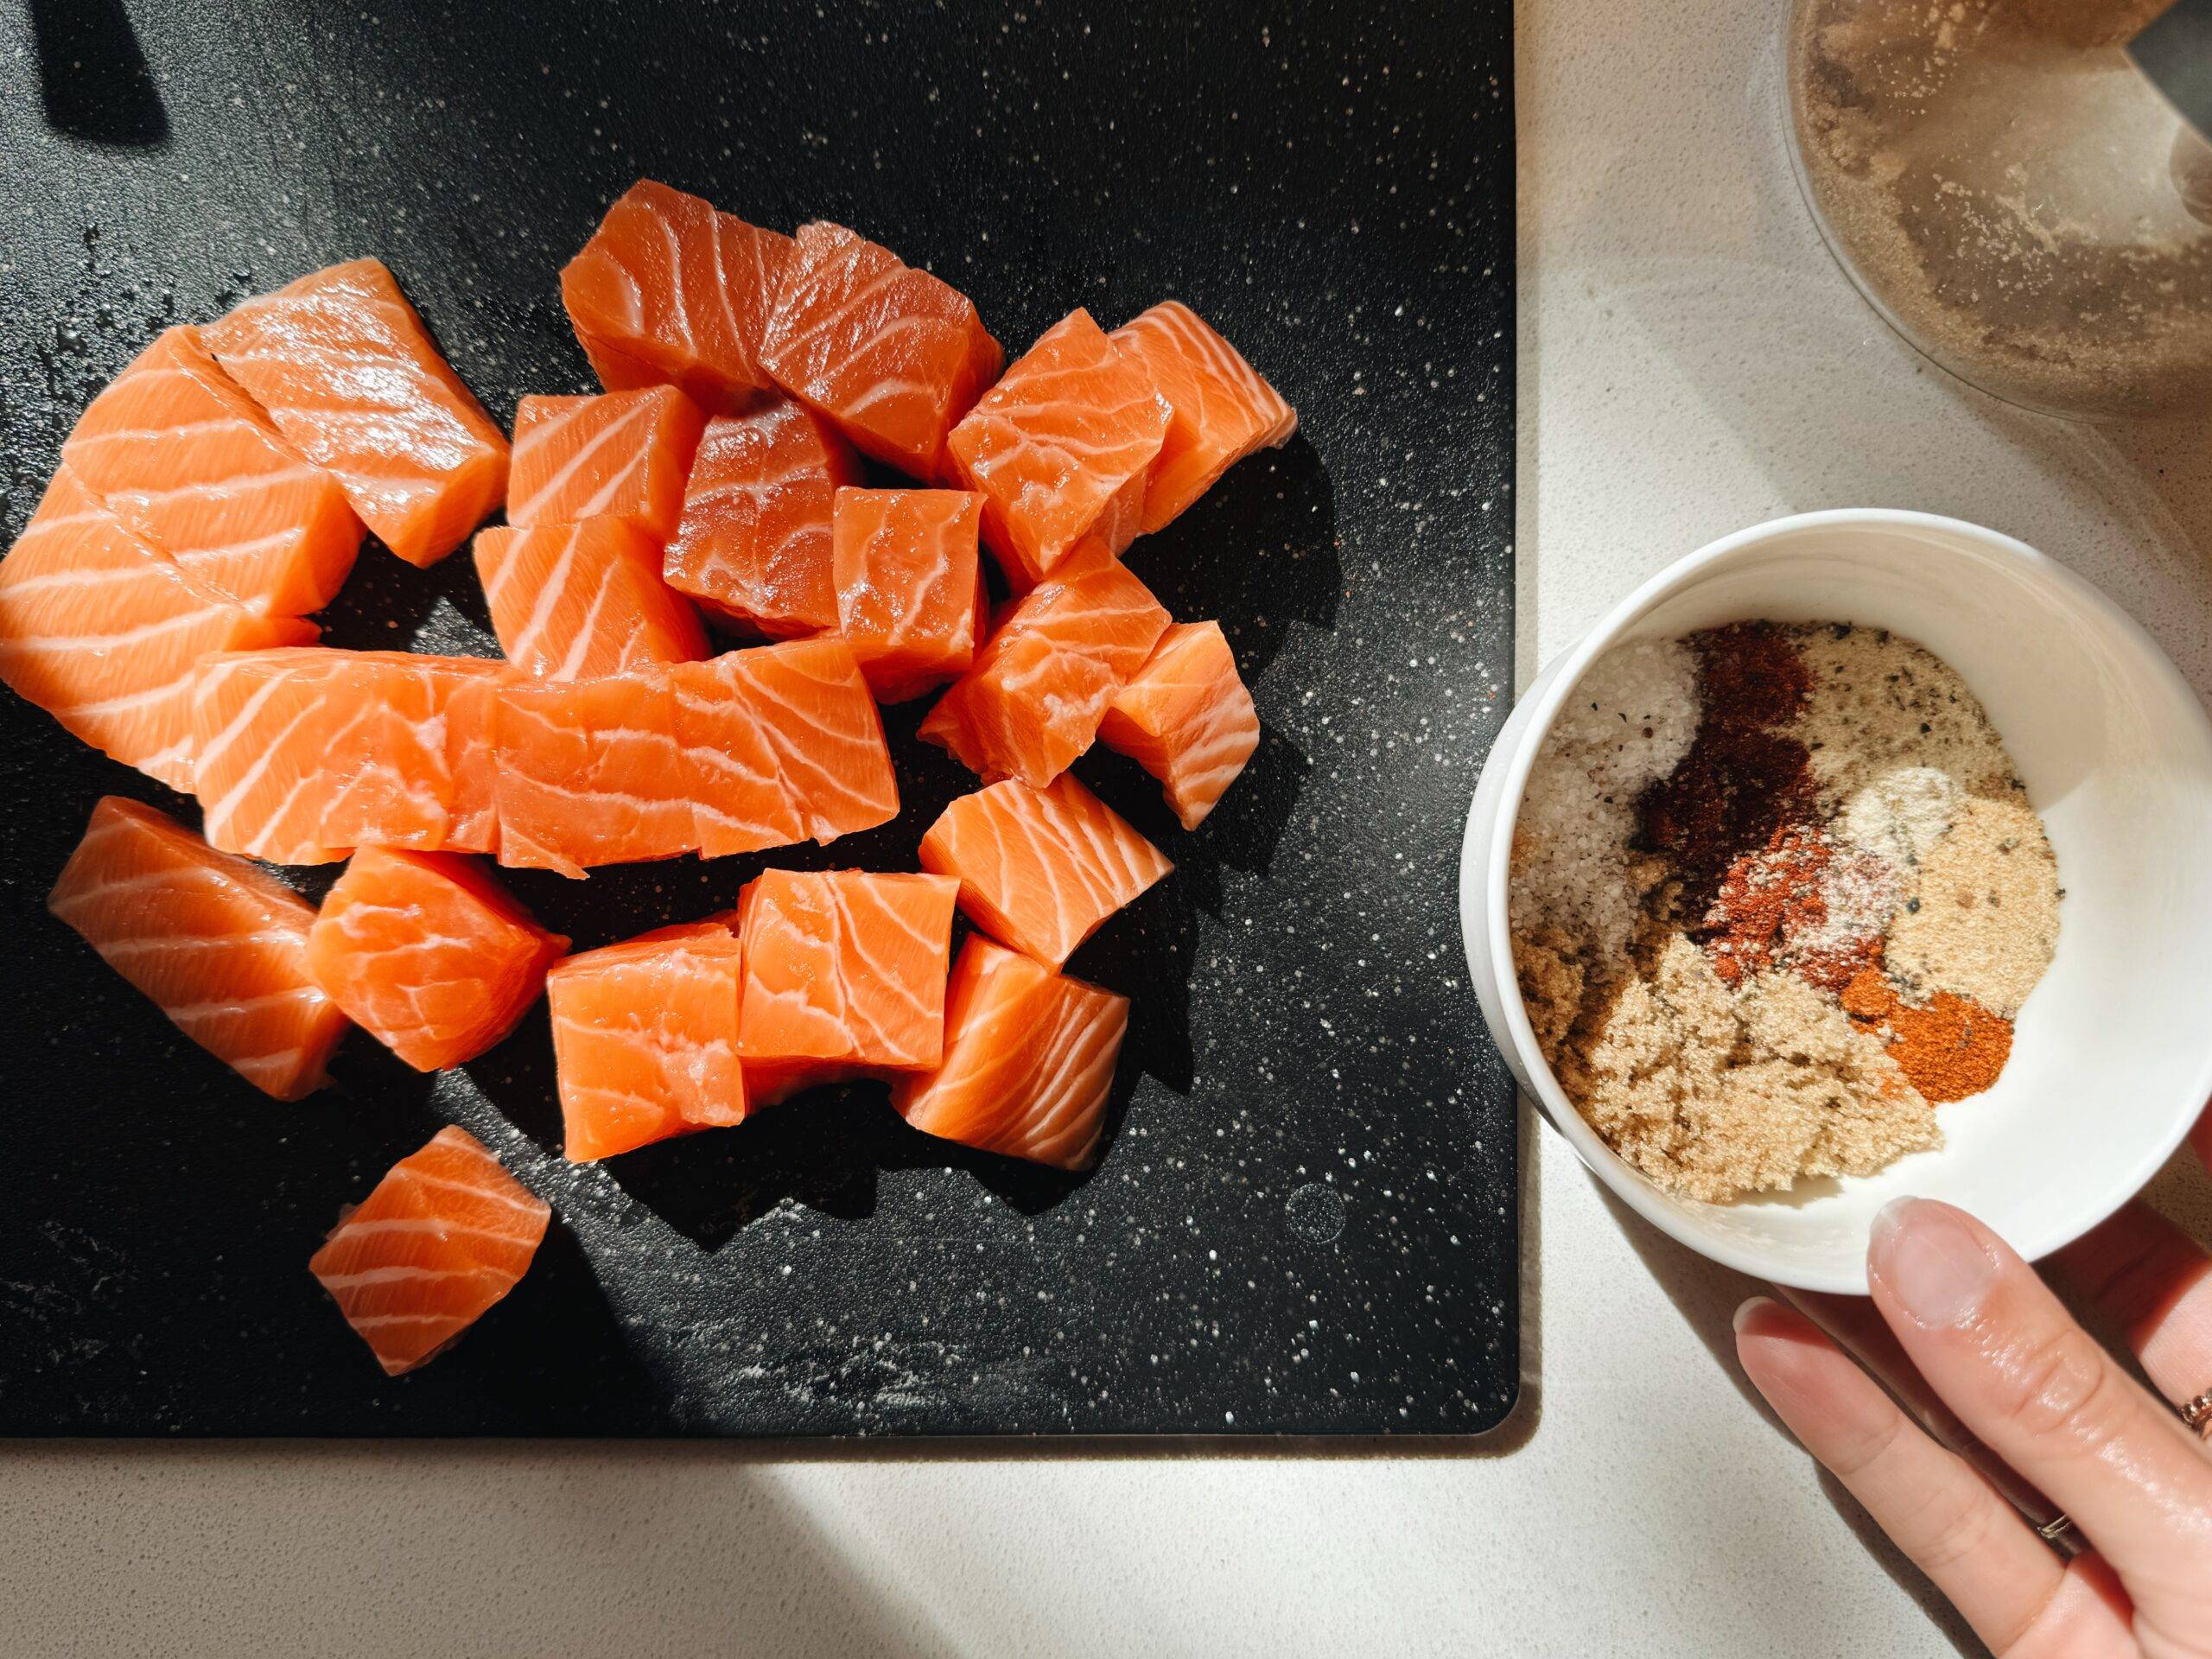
(1707,1295)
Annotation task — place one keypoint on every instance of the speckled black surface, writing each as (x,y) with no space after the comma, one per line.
(1305,1221)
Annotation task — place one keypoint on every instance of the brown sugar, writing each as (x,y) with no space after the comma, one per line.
(1716,1093)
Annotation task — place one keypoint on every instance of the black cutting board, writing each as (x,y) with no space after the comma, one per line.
(1305,1219)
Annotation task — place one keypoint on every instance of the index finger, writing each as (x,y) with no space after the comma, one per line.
(1986,1332)
(1856,1325)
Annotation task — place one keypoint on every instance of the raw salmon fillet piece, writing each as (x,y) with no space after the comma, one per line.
(303,753)
(1028,1061)
(750,749)
(785,743)
(753,544)
(427,954)
(220,946)
(1186,719)
(1222,409)
(645,1039)
(621,454)
(910,589)
(1041,869)
(1059,447)
(893,355)
(177,450)
(104,633)
(347,373)
(1033,700)
(591,772)
(396,752)
(845,967)
(443,1235)
(262,770)
(574,601)
(671,291)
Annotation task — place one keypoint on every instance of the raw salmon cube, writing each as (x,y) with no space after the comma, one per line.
(389,752)
(753,544)
(1186,719)
(445,1235)
(348,373)
(910,590)
(845,967)
(220,946)
(645,1039)
(1058,448)
(1033,700)
(1222,410)
(785,743)
(741,802)
(890,354)
(105,633)
(1041,869)
(574,601)
(303,753)
(671,291)
(622,454)
(1028,1061)
(427,954)
(591,774)
(177,451)
(261,768)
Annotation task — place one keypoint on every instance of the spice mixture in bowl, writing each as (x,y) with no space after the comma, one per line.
(1690,909)
(1777,893)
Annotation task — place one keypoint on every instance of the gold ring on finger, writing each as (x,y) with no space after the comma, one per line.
(2197,1414)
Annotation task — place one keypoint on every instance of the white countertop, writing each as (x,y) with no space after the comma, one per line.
(1691,362)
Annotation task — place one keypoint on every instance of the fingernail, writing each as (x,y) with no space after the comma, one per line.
(1751,1304)
(1930,1261)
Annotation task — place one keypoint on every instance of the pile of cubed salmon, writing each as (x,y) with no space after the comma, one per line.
(215,495)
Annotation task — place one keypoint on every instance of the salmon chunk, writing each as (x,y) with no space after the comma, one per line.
(1186,719)
(302,755)
(645,1039)
(671,291)
(444,1236)
(1028,1063)
(429,954)
(754,544)
(1034,698)
(622,454)
(845,968)
(786,745)
(1041,869)
(891,354)
(1221,410)
(347,373)
(574,601)
(217,945)
(177,450)
(590,773)
(1058,450)
(910,592)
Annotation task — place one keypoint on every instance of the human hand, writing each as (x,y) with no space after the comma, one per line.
(1996,1347)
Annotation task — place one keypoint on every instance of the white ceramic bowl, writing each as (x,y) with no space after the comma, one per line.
(2112,1060)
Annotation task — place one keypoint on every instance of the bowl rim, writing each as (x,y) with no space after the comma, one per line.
(1488,877)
